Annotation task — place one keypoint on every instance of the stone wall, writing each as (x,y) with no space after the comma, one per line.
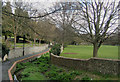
(28,50)
(104,66)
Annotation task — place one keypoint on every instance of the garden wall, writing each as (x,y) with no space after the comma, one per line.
(104,66)
(28,50)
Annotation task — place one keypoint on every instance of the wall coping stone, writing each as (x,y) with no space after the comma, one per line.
(85,59)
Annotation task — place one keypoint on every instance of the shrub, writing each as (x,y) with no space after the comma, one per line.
(65,76)
(19,67)
(75,73)
(47,65)
(77,79)
(51,74)
(5,50)
(36,62)
(86,78)
(42,64)
(25,75)
(43,59)
(56,49)
(26,64)
(43,69)
(53,67)
(59,70)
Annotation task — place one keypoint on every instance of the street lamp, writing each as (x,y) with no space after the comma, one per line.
(23,44)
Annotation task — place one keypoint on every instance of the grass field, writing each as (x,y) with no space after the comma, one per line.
(86,51)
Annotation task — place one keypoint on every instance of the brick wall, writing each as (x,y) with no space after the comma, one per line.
(104,66)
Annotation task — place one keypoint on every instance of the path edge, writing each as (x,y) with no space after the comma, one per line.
(9,70)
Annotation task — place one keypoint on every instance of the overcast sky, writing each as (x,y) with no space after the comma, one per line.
(48,3)
(44,4)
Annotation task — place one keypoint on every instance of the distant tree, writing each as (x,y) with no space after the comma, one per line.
(64,21)
(20,24)
(7,21)
(19,16)
(45,30)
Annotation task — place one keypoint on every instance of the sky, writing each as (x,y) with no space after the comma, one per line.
(49,3)
(44,4)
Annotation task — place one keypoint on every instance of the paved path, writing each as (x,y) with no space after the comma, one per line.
(6,65)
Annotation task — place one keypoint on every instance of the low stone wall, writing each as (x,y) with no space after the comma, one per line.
(28,50)
(104,66)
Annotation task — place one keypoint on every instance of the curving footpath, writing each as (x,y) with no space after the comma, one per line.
(7,65)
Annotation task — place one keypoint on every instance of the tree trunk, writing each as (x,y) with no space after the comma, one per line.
(95,50)
(63,45)
(15,36)
(17,39)
(14,40)
(39,42)
(5,38)
(34,41)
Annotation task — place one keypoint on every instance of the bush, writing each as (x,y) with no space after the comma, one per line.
(75,73)
(51,74)
(26,64)
(53,67)
(86,78)
(19,67)
(65,76)
(5,50)
(56,49)
(42,64)
(59,70)
(43,68)
(25,75)
(44,59)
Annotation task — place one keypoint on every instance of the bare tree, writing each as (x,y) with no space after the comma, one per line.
(64,20)
(29,8)
(97,20)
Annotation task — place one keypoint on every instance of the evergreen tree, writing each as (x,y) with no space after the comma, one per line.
(7,21)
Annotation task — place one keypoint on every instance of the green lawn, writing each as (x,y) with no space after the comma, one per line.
(86,51)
